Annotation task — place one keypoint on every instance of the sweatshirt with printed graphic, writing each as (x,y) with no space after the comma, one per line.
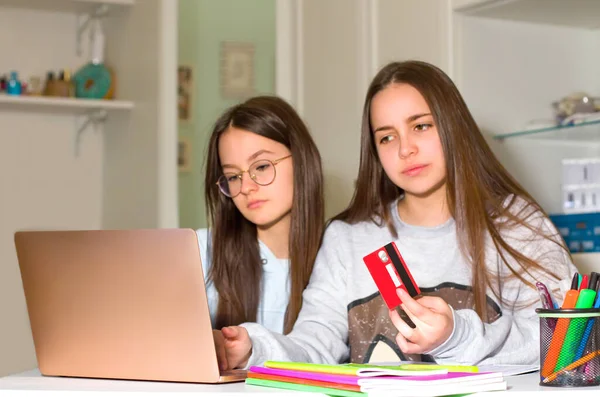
(344,317)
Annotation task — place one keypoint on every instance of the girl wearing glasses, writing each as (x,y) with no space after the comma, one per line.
(475,241)
(264,195)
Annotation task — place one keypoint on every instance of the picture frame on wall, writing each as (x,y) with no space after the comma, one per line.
(237,70)
(184,154)
(185,86)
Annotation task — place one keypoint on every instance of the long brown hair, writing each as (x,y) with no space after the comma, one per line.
(236,269)
(481,195)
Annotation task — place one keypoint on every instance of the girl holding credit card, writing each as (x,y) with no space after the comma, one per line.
(474,240)
(264,195)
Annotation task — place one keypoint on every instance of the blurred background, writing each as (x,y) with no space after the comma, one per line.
(106,105)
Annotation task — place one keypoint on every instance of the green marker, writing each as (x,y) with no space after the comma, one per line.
(575,330)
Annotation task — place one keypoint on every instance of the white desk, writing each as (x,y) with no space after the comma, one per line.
(31,383)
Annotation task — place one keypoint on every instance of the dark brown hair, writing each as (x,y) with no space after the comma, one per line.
(481,195)
(236,269)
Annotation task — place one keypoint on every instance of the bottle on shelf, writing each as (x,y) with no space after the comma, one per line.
(63,86)
(14,85)
(95,80)
(3,83)
(49,86)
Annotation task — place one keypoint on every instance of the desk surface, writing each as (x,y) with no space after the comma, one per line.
(32,383)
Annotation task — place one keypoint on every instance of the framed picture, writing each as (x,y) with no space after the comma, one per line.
(237,70)
(185,86)
(184,154)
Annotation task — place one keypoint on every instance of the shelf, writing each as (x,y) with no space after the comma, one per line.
(76,6)
(586,131)
(61,105)
(574,13)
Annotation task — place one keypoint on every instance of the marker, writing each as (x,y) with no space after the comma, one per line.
(588,328)
(576,328)
(545,297)
(547,302)
(584,282)
(562,325)
(575,282)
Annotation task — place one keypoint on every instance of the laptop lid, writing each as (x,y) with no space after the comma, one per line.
(121,304)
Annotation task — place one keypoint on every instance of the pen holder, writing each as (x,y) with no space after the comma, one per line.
(569,347)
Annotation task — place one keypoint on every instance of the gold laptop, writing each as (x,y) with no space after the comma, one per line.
(119,304)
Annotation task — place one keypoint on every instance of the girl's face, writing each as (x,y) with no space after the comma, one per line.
(241,150)
(407,140)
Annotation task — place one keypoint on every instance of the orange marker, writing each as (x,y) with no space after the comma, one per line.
(562,325)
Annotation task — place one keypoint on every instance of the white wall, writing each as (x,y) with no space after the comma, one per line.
(413,29)
(126,173)
(42,184)
(140,167)
(343,43)
(510,74)
(331,92)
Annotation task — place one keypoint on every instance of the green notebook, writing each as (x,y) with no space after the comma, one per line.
(360,369)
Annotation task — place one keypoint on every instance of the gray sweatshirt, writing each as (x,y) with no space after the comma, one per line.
(344,318)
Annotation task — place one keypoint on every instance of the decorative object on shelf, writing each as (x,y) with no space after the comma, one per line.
(575,107)
(60,87)
(65,85)
(3,83)
(237,70)
(185,88)
(49,85)
(95,80)
(184,154)
(34,86)
(14,85)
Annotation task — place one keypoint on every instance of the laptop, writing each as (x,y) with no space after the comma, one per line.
(119,304)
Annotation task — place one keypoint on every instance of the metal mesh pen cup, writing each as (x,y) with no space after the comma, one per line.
(569,347)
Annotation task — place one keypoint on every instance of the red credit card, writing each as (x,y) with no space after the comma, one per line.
(389,271)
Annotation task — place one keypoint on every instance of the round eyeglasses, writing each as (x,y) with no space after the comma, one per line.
(262,172)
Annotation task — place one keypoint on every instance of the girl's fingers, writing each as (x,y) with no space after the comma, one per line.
(417,310)
(403,328)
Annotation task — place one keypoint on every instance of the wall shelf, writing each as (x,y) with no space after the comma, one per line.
(574,13)
(61,105)
(88,112)
(76,6)
(588,131)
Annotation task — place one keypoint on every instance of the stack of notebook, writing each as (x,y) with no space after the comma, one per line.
(350,380)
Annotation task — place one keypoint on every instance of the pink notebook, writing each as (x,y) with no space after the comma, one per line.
(386,380)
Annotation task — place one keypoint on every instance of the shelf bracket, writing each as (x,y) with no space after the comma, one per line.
(84,21)
(82,123)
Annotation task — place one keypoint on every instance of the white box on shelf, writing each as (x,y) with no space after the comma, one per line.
(581,185)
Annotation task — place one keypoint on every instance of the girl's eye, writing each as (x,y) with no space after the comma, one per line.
(262,167)
(232,178)
(422,127)
(386,139)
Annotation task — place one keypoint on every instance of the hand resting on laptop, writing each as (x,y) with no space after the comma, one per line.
(233,346)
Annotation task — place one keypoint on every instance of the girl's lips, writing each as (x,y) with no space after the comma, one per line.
(414,170)
(255,204)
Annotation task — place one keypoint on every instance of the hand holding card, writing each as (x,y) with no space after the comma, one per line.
(389,271)
(432,319)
